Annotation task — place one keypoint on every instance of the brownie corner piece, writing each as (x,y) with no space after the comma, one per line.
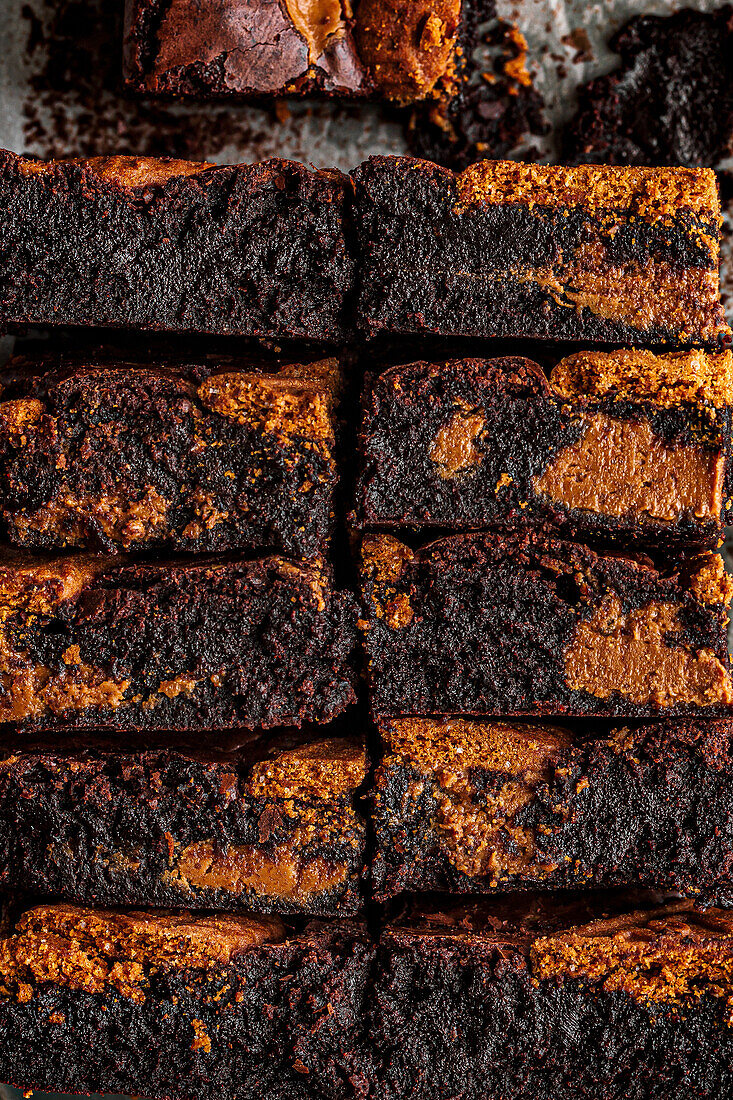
(115,236)
(515,624)
(198,644)
(210,457)
(179,1005)
(483,806)
(266,823)
(625,447)
(503,249)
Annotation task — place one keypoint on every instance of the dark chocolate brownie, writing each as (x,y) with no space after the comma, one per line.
(268,823)
(622,446)
(475,807)
(400,50)
(173,645)
(671,99)
(515,250)
(193,458)
(539,1001)
(133,242)
(183,1007)
(483,624)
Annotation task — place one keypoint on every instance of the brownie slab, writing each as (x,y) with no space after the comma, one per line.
(555,1000)
(483,624)
(135,242)
(479,806)
(181,1006)
(671,99)
(179,645)
(266,823)
(393,49)
(623,446)
(618,255)
(190,458)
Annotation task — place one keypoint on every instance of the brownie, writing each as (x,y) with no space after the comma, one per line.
(205,644)
(478,806)
(135,242)
(181,1006)
(398,50)
(671,99)
(195,458)
(264,823)
(625,446)
(555,1000)
(485,624)
(619,255)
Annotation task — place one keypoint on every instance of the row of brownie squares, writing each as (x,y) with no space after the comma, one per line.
(275,250)
(543,996)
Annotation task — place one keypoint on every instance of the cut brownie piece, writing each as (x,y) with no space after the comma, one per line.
(184,1007)
(192,458)
(269,824)
(671,100)
(133,242)
(400,50)
(623,255)
(478,806)
(177,645)
(539,1000)
(625,446)
(519,624)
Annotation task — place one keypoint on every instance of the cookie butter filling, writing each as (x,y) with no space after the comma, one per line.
(408,46)
(628,652)
(318,22)
(71,516)
(283,872)
(672,959)
(92,950)
(454,449)
(479,834)
(691,377)
(621,468)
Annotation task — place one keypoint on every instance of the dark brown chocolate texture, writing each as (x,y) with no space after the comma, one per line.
(626,256)
(269,824)
(393,49)
(473,806)
(201,644)
(555,998)
(181,1005)
(196,458)
(519,624)
(669,102)
(131,242)
(622,447)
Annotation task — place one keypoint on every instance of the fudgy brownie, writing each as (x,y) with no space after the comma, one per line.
(507,1001)
(135,242)
(621,255)
(479,806)
(266,823)
(625,446)
(185,1007)
(482,624)
(192,458)
(671,99)
(203,644)
(401,50)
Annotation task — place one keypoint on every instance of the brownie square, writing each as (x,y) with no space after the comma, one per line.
(616,255)
(203,457)
(484,624)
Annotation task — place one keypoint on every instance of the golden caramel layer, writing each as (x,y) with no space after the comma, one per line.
(125,171)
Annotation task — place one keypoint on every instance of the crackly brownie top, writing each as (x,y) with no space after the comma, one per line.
(671,954)
(646,192)
(669,380)
(93,950)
